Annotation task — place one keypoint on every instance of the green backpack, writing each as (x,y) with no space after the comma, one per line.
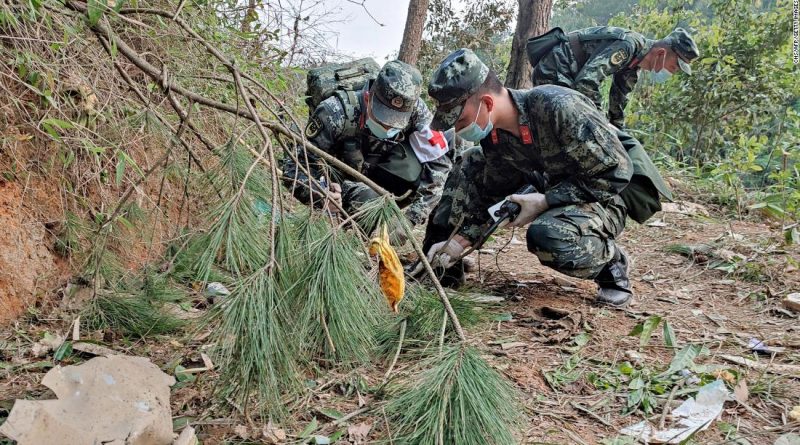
(339,79)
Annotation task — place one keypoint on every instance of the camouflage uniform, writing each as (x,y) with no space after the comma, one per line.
(586,165)
(329,129)
(561,134)
(605,51)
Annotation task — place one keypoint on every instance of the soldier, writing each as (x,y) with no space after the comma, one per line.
(582,59)
(574,220)
(382,131)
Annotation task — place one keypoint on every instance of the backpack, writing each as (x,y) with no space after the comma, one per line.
(643,194)
(538,46)
(398,170)
(339,79)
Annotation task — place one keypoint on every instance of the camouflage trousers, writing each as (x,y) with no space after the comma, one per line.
(576,240)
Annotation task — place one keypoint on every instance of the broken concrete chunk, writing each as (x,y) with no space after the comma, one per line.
(118,399)
(792,302)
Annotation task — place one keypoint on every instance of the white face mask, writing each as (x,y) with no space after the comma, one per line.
(662,75)
(473,132)
(377,129)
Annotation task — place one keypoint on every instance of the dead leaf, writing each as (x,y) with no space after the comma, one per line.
(242,431)
(724,374)
(207,361)
(512,345)
(774,368)
(47,344)
(359,433)
(273,435)
(555,325)
(93,349)
(684,207)
(76,329)
(794,414)
(361,401)
(741,391)
(187,437)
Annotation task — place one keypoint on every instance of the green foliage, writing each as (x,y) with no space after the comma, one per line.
(424,315)
(575,14)
(731,118)
(645,330)
(457,399)
(256,352)
(129,314)
(565,374)
(338,305)
(483,26)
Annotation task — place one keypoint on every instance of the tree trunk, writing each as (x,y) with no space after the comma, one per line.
(533,20)
(412,36)
(249,16)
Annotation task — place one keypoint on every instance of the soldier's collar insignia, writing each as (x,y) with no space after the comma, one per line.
(619,57)
(313,128)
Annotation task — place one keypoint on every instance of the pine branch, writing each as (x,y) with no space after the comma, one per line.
(276,127)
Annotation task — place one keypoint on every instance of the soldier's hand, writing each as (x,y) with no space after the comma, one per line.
(531,206)
(445,253)
(334,196)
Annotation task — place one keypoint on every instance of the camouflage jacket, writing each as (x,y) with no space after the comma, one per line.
(328,129)
(609,51)
(561,134)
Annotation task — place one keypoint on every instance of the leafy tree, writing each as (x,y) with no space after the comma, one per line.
(484,26)
(736,106)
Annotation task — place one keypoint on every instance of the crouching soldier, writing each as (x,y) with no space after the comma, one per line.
(383,131)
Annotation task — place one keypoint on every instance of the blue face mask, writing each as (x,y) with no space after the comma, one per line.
(379,132)
(473,132)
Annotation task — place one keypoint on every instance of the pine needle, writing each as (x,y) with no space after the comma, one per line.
(129,315)
(458,400)
(238,239)
(256,355)
(423,311)
(377,212)
(337,303)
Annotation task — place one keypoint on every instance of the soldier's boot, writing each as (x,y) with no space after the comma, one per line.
(614,286)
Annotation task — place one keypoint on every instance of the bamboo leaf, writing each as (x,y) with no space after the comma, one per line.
(685,358)
(669,335)
(120,171)
(645,330)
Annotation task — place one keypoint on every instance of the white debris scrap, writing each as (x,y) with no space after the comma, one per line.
(119,399)
(693,415)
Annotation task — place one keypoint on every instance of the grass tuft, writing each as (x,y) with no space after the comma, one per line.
(129,314)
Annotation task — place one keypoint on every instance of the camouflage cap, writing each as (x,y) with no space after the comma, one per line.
(682,43)
(396,91)
(456,79)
